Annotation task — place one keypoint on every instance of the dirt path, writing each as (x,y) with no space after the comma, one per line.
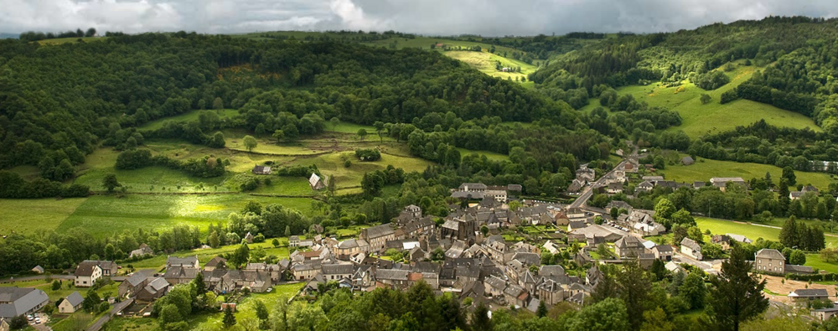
(782,287)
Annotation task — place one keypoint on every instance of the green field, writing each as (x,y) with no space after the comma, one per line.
(700,119)
(485,63)
(245,310)
(704,169)
(204,255)
(105,215)
(185,117)
(29,216)
(489,155)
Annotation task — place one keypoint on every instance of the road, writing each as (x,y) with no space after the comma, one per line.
(28,278)
(588,191)
(107,317)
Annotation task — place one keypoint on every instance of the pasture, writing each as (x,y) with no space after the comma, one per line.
(105,215)
(704,169)
(489,155)
(246,309)
(700,119)
(204,255)
(32,215)
(485,63)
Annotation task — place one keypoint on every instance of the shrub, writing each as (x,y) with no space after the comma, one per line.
(368,154)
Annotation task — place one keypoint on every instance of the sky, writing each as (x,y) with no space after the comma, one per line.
(429,17)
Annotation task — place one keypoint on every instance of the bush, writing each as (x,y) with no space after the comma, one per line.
(712,80)
(347,164)
(368,154)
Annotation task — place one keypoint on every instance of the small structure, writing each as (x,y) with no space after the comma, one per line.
(71,303)
(809,294)
(315,182)
(721,240)
(249,238)
(691,248)
(687,160)
(261,170)
(770,261)
(38,269)
(143,250)
(824,314)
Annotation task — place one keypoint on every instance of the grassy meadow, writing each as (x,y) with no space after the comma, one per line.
(186,117)
(31,215)
(485,63)
(699,119)
(704,169)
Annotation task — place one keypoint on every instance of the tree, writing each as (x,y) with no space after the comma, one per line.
(110,182)
(91,301)
(634,290)
(663,211)
(335,121)
(275,242)
(705,98)
(200,286)
(213,240)
(362,133)
(90,32)
(229,318)
(606,315)
(279,136)
(542,309)
(250,143)
(789,176)
(19,322)
(56,285)
(789,233)
(683,218)
(218,104)
(287,231)
(240,255)
(797,257)
(736,296)
(262,312)
(480,317)
(656,320)
(693,290)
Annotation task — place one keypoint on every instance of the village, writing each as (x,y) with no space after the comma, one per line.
(492,248)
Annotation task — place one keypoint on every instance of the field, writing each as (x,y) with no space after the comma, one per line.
(700,119)
(704,169)
(185,117)
(104,215)
(204,255)
(485,63)
(29,216)
(246,310)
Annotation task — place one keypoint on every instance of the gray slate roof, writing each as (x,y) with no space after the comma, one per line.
(20,300)
(74,299)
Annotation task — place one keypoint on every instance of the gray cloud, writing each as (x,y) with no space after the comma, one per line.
(445,17)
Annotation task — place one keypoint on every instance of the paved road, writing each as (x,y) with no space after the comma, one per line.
(28,278)
(588,191)
(107,317)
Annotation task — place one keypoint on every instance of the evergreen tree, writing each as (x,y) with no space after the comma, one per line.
(480,318)
(229,318)
(790,234)
(693,290)
(634,290)
(736,296)
(200,286)
(542,309)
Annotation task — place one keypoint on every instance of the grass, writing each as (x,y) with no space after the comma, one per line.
(186,117)
(204,255)
(814,260)
(485,63)
(699,119)
(29,216)
(489,155)
(350,128)
(105,215)
(704,169)
(246,309)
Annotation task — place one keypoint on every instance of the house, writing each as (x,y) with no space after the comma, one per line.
(721,240)
(38,269)
(687,160)
(472,187)
(574,225)
(619,205)
(71,303)
(494,286)
(87,273)
(155,289)
(576,185)
(249,238)
(16,301)
(515,295)
(180,275)
(653,179)
(377,236)
(315,182)
(144,250)
(216,263)
(629,246)
(393,278)
(663,252)
(134,283)
(721,182)
(691,248)
(770,261)
(3,325)
(294,241)
(261,170)
(794,195)
(809,294)
(614,188)
(699,184)
(337,271)
(739,238)
(824,314)
(585,174)
(645,186)
(189,261)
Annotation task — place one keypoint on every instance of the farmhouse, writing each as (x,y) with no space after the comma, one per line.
(315,182)
(691,248)
(824,314)
(629,246)
(770,261)
(71,303)
(377,236)
(87,273)
(189,261)
(16,301)
(261,170)
(809,294)
(155,289)
(721,182)
(135,283)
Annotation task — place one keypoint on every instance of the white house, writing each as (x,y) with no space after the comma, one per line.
(71,303)
(87,273)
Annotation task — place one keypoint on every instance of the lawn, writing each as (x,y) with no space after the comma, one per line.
(699,119)
(704,169)
(29,216)
(104,215)
(485,63)
(814,260)
(350,128)
(186,117)
(204,255)
(246,308)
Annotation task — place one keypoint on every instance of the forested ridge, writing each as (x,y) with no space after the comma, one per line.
(58,103)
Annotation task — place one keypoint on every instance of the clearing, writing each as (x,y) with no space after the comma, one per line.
(704,169)
(31,215)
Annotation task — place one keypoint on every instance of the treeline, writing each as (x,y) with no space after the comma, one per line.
(206,167)
(35,36)
(12,186)
(59,251)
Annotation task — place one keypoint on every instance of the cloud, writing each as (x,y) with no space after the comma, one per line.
(434,17)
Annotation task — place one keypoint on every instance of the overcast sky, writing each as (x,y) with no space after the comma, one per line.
(445,17)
